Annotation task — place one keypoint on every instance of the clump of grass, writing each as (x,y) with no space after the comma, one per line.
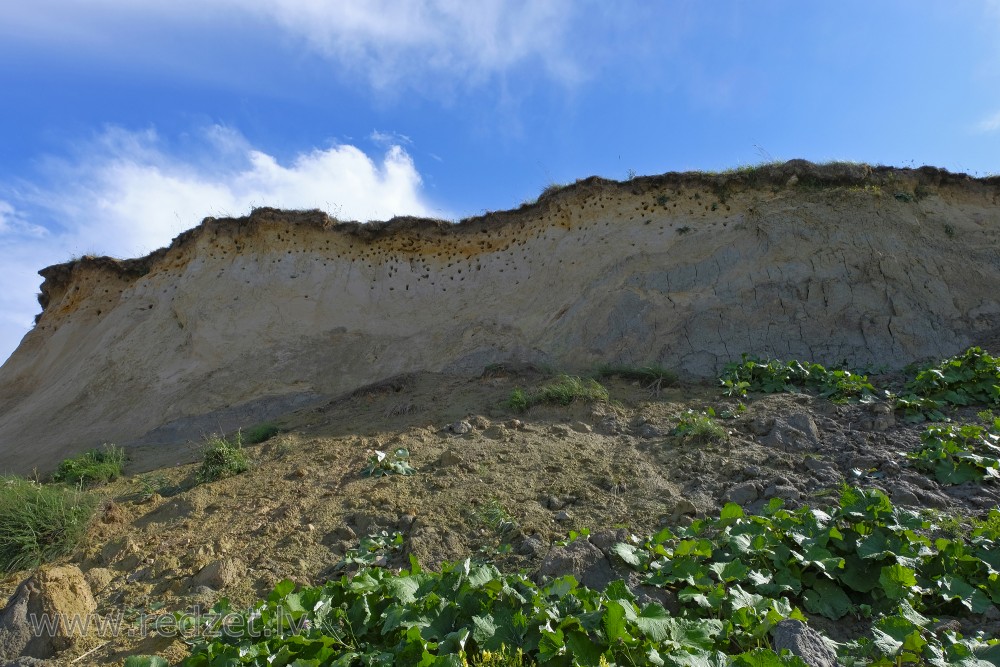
(260,433)
(564,390)
(700,427)
(98,466)
(496,517)
(151,485)
(223,458)
(39,523)
(518,401)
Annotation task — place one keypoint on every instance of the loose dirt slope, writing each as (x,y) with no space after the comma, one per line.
(162,543)
(260,315)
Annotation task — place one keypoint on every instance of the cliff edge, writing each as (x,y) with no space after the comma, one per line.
(240,320)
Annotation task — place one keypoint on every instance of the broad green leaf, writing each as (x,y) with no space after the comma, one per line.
(628,553)
(897,581)
(145,661)
(281,589)
(551,644)
(583,650)
(483,629)
(618,590)
(763,657)
(731,571)
(614,623)
(827,599)
(654,622)
(731,511)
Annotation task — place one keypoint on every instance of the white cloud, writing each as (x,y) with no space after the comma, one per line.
(126,194)
(392,39)
(989,124)
(12,223)
(393,44)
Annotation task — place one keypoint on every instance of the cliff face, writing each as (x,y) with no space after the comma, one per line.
(242,319)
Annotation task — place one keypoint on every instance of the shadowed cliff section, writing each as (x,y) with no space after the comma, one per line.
(242,319)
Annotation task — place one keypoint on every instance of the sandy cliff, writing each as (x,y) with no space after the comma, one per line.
(242,319)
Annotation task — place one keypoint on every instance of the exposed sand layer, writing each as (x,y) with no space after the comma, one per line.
(243,319)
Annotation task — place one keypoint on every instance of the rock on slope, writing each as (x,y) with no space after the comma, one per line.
(242,319)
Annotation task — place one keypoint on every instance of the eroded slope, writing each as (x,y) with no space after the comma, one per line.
(251,317)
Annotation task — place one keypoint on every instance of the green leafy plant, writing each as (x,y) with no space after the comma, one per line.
(223,458)
(98,466)
(396,463)
(145,661)
(734,578)
(864,554)
(467,613)
(563,391)
(700,427)
(39,523)
(958,453)
(970,378)
(371,550)
(260,433)
(771,376)
(918,409)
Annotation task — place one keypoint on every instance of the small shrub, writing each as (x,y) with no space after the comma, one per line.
(564,391)
(260,433)
(39,523)
(98,466)
(223,458)
(381,463)
(653,375)
(518,401)
(700,427)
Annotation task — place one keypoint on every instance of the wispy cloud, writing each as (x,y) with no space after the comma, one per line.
(394,45)
(989,124)
(126,193)
(391,40)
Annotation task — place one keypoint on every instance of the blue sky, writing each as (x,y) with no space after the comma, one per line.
(123,123)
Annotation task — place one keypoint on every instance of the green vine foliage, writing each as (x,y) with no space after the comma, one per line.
(772,376)
(734,577)
(957,453)
(970,378)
